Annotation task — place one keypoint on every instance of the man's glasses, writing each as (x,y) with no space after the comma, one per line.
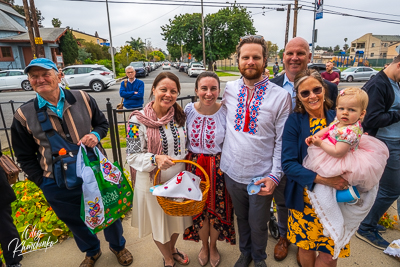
(252,36)
(316,91)
(129,72)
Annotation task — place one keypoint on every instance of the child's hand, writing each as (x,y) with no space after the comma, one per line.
(309,140)
(316,141)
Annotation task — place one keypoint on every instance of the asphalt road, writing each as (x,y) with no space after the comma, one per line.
(187,88)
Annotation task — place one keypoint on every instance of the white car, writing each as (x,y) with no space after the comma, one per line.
(166,66)
(358,74)
(195,69)
(95,77)
(14,79)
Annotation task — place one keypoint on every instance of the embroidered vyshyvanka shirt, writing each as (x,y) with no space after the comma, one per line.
(256,151)
(206,133)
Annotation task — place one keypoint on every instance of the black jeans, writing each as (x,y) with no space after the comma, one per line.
(8,233)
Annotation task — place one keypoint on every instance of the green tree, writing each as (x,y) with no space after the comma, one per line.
(126,55)
(336,48)
(137,44)
(56,23)
(97,51)
(272,49)
(156,54)
(20,10)
(69,48)
(175,51)
(83,55)
(280,53)
(345,47)
(222,32)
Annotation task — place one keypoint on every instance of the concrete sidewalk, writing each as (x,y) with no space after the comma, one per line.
(146,254)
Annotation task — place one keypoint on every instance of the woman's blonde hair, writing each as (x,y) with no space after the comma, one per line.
(360,95)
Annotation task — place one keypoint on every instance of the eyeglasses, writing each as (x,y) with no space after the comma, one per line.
(252,36)
(316,91)
(130,72)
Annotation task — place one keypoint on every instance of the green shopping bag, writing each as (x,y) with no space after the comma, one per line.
(106,193)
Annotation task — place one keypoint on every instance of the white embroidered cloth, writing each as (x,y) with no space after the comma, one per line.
(183,185)
(393,249)
(340,220)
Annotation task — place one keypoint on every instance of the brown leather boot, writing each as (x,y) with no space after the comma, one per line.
(281,249)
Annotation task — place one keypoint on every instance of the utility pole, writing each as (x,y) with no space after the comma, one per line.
(111,45)
(30,31)
(287,28)
(202,33)
(313,32)
(296,7)
(39,47)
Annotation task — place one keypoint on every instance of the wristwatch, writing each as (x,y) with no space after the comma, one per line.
(153,160)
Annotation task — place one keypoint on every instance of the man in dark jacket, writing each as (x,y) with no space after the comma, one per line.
(132,90)
(275,69)
(71,118)
(8,231)
(295,58)
(383,121)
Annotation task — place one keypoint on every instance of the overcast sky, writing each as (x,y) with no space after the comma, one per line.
(144,20)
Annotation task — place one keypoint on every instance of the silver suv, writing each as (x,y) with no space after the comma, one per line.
(95,77)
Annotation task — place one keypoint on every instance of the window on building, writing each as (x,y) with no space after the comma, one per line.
(384,44)
(372,55)
(6,53)
(98,41)
(384,55)
(373,45)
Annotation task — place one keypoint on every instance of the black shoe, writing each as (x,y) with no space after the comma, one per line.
(243,261)
(260,264)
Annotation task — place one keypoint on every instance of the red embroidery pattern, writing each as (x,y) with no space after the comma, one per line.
(202,133)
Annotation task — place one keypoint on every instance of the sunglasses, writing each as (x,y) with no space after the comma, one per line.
(316,91)
(251,36)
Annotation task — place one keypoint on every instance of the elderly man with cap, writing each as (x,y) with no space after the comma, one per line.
(54,122)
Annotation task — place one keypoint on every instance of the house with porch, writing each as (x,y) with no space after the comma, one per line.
(15,48)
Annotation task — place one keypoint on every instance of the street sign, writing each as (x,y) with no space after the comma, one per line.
(38,40)
(319,9)
(113,50)
(106,44)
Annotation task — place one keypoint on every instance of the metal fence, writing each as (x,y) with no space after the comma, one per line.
(7,110)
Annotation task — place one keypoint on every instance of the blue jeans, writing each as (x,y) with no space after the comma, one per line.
(389,188)
(67,205)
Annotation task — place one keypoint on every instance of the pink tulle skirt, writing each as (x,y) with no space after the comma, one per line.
(362,168)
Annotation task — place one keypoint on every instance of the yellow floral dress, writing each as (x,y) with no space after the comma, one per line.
(304,228)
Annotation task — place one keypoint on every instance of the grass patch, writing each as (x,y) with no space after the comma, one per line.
(6,151)
(222,74)
(106,141)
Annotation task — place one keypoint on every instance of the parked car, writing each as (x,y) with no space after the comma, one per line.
(321,67)
(358,74)
(95,77)
(14,79)
(195,69)
(148,67)
(166,66)
(140,69)
(182,67)
(153,66)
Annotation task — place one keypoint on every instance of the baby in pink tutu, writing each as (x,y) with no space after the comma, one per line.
(342,149)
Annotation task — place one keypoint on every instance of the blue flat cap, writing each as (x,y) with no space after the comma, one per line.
(41,62)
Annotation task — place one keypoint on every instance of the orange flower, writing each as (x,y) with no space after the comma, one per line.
(42,219)
(395,217)
(50,208)
(17,214)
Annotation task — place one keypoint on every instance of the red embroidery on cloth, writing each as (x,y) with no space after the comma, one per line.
(203,132)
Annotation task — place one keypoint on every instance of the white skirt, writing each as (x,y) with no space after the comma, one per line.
(149,217)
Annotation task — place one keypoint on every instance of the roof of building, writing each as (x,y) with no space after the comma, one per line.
(8,24)
(49,35)
(388,38)
(95,34)
(8,8)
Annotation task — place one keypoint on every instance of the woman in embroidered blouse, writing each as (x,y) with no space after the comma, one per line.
(156,137)
(206,120)
(311,114)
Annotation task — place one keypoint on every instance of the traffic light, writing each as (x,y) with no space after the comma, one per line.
(190,56)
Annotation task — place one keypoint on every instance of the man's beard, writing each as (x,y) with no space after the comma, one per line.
(253,76)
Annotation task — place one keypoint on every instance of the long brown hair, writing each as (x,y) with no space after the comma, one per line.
(179,115)
(300,78)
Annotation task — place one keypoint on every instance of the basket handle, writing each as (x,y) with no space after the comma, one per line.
(190,162)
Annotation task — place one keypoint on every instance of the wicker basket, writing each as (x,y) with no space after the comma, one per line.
(188,207)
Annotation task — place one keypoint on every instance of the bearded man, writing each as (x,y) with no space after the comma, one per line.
(256,113)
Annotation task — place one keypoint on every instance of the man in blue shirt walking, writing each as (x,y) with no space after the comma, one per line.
(132,90)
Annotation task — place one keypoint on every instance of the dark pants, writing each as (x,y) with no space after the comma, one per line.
(253,214)
(389,188)
(8,232)
(282,210)
(67,205)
